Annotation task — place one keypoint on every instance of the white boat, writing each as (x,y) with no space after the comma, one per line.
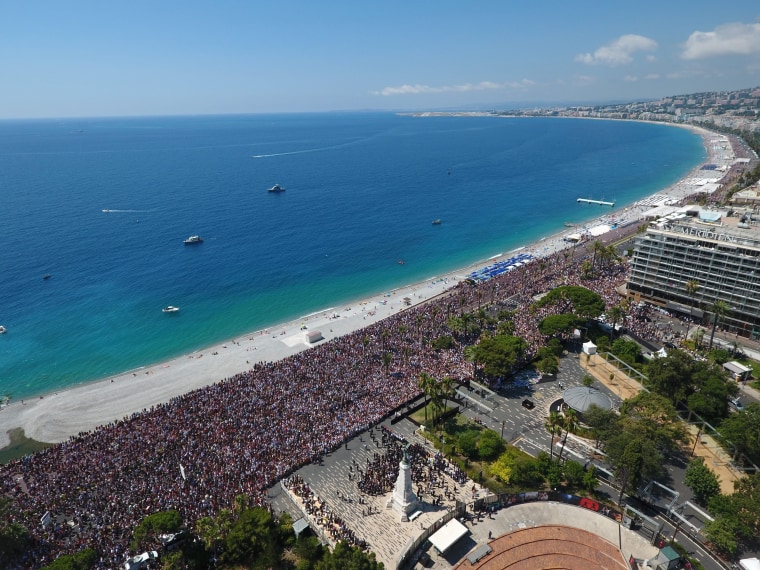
(276,188)
(170,309)
(193,239)
(3,330)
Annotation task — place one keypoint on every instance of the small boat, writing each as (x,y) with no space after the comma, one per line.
(401,262)
(46,276)
(170,309)
(193,239)
(3,330)
(276,188)
(437,222)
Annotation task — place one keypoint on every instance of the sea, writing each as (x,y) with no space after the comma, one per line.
(93,214)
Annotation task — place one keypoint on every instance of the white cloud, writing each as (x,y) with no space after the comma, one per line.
(464,88)
(653,76)
(735,38)
(630,78)
(618,52)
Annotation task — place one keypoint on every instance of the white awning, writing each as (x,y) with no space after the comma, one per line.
(448,535)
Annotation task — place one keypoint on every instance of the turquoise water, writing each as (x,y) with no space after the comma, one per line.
(362,191)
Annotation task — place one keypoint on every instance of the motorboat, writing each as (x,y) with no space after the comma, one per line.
(3,330)
(276,188)
(193,240)
(437,222)
(170,309)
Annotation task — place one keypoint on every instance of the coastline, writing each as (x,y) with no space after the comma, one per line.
(56,416)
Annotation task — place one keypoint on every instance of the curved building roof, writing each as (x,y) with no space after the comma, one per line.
(581,398)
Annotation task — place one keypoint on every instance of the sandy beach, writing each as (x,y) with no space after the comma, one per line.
(56,416)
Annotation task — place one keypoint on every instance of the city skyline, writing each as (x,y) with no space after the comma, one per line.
(87,59)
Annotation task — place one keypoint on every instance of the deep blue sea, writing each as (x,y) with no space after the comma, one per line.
(362,191)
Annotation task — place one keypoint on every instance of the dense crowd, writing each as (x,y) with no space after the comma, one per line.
(321,513)
(427,470)
(198,451)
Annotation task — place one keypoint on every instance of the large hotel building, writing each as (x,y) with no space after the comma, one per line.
(720,252)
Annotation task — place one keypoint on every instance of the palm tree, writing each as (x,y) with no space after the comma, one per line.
(425,382)
(699,336)
(691,288)
(471,355)
(446,387)
(719,309)
(553,424)
(615,314)
(599,248)
(570,423)
(387,358)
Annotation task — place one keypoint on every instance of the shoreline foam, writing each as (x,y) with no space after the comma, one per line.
(56,416)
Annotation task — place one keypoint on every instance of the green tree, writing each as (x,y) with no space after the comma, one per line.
(554,426)
(558,325)
(692,286)
(570,423)
(573,473)
(701,480)
(626,350)
(603,423)
(427,384)
(634,458)
(82,560)
(490,445)
(574,299)
(309,548)
(719,309)
(253,539)
(710,402)
(345,557)
(150,527)
(13,535)
(671,376)
(468,443)
(500,354)
(653,417)
(387,359)
(722,533)
(615,315)
(590,481)
(214,530)
(740,431)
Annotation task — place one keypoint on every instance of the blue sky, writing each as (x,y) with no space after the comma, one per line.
(68,58)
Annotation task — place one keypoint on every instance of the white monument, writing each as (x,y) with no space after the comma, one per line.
(403,500)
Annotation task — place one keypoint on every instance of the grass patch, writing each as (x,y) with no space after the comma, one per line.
(20,445)
(429,411)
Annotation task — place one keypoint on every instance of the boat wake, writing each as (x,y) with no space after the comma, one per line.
(306,151)
(106,211)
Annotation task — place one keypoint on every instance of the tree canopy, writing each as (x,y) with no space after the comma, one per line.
(574,299)
(742,430)
(500,354)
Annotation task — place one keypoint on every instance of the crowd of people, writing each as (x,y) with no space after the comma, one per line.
(321,513)
(198,451)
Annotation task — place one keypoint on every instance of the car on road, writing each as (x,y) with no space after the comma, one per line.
(737,404)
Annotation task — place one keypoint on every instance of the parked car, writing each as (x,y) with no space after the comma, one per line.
(528,404)
(737,403)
